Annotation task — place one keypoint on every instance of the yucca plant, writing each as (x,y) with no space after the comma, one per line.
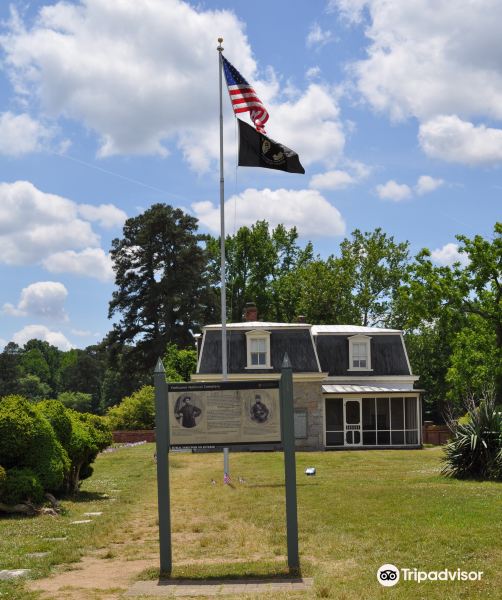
(475,450)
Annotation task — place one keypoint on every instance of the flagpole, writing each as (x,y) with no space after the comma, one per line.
(224,372)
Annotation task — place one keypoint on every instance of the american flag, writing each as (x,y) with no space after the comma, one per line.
(243,96)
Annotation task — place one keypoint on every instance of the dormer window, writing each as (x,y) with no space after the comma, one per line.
(359,353)
(258,350)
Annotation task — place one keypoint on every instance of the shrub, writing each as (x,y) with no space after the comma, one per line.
(475,450)
(134,412)
(89,435)
(28,441)
(46,447)
(55,412)
(21,484)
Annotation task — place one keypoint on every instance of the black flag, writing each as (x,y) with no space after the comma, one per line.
(257,150)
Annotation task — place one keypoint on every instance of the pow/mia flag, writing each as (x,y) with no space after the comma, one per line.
(257,150)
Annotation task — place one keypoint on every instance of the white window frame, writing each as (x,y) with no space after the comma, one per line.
(360,339)
(258,335)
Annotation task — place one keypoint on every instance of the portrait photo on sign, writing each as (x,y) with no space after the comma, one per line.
(259,407)
(187,410)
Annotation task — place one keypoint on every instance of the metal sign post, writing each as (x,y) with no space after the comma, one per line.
(288,440)
(255,417)
(162,442)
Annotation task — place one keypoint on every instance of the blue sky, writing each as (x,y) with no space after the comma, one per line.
(107,107)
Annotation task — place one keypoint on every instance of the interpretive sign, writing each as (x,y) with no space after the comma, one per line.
(224,413)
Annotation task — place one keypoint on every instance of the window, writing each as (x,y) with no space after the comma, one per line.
(359,353)
(258,350)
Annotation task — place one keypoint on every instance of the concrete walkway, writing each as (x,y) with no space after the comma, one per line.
(222,587)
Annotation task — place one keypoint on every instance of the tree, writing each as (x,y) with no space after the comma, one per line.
(179,363)
(77,401)
(38,354)
(10,369)
(32,388)
(163,288)
(474,362)
(82,371)
(445,298)
(373,265)
(257,259)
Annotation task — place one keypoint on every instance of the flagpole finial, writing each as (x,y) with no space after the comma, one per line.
(220,47)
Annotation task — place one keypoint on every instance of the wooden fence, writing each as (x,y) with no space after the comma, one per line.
(435,434)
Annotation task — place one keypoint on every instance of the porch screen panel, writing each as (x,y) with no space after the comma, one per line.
(383,421)
(411,423)
(334,421)
(369,421)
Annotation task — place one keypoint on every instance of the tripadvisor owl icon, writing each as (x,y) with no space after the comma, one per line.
(388,575)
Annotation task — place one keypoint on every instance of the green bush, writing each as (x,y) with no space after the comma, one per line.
(47,447)
(55,412)
(134,412)
(475,450)
(89,435)
(21,484)
(27,439)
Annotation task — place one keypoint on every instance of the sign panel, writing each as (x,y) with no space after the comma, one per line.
(224,413)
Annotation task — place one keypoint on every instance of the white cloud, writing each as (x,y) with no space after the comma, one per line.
(427,184)
(310,126)
(20,134)
(332,180)
(449,254)
(307,210)
(318,36)
(121,69)
(440,62)
(41,332)
(3,343)
(34,224)
(41,299)
(90,262)
(393,191)
(449,138)
(425,60)
(349,9)
(313,72)
(107,215)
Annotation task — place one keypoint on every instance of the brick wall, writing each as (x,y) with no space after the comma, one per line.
(125,437)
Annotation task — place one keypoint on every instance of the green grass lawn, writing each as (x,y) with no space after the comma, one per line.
(361,510)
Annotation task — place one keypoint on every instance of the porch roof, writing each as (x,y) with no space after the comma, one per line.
(367,389)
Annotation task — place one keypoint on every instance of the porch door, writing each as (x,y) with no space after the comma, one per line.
(352,421)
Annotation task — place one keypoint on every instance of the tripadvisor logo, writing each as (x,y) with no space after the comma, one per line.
(388,575)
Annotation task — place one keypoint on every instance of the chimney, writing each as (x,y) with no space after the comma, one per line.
(250,312)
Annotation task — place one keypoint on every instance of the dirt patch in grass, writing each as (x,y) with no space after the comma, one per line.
(103,578)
